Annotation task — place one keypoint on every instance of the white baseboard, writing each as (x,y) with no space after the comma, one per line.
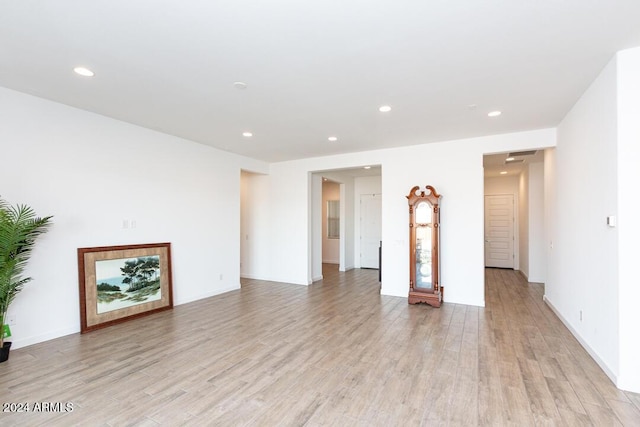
(219,291)
(583,343)
(36,339)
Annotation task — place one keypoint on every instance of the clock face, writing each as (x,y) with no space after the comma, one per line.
(423,213)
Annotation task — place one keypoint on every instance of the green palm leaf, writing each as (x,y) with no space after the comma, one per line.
(19,229)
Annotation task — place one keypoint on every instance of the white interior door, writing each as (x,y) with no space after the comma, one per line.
(370,229)
(499,231)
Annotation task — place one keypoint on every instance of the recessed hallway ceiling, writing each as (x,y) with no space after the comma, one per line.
(496,165)
(317,69)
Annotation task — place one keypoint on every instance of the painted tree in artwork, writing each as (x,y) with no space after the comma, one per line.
(149,268)
(141,272)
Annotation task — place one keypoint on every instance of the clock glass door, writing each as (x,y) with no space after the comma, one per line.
(424,246)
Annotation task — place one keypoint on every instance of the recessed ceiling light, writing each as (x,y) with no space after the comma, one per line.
(367,167)
(240,85)
(494,113)
(333,138)
(84,71)
(503,173)
(384,109)
(247,134)
(509,159)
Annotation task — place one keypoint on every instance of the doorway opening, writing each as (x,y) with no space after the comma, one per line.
(514,229)
(353,183)
(331,219)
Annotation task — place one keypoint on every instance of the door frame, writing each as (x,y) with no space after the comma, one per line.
(358,261)
(516,227)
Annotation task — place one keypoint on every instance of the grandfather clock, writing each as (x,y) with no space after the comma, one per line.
(424,246)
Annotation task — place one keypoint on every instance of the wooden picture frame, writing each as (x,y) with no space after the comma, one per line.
(120,283)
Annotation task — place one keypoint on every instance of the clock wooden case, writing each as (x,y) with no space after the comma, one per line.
(424,246)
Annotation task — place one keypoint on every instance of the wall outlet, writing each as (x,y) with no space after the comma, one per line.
(221,276)
(581,315)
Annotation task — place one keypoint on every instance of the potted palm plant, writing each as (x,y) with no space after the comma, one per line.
(19,228)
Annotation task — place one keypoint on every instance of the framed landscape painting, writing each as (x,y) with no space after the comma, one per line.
(119,283)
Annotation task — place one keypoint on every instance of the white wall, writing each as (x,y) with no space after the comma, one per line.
(347,225)
(92,173)
(315,268)
(289,207)
(549,209)
(501,185)
(628,213)
(523,222)
(455,169)
(592,267)
(582,268)
(537,262)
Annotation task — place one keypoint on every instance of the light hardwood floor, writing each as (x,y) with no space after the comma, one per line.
(334,353)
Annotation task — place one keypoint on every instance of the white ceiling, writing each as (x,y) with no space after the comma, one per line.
(315,68)
(495,164)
